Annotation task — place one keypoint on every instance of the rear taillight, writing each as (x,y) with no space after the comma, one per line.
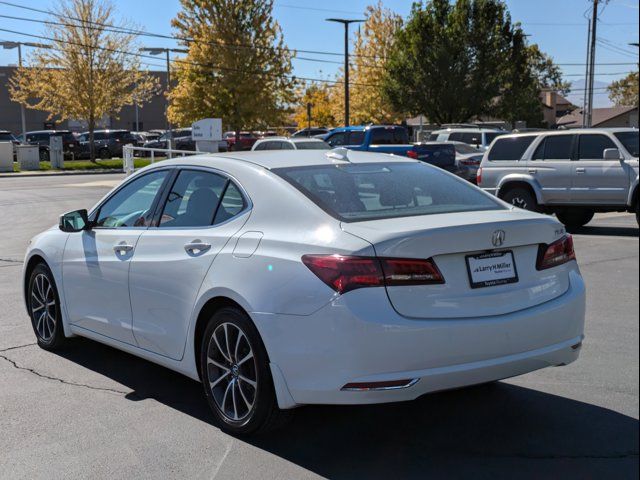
(346,273)
(559,252)
(402,271)
(412,154)
(479,176)
(471,161)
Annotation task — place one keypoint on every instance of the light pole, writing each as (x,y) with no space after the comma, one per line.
(167,52)
(18,45)
(346,23)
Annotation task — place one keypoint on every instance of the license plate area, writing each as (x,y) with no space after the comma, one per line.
(491,269)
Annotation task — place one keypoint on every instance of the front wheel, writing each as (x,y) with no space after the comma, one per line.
(574,218)
(104,154)
(44,308)
(44,155)
(235,373)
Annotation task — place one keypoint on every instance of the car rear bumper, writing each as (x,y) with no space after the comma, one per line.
(359,338)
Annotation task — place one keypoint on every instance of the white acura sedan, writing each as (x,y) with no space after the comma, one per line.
(286,278)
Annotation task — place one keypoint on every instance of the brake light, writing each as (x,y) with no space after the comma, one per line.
(558,253)
(470,161)
(402,271)
(346,273)
(479,176)
(412,154)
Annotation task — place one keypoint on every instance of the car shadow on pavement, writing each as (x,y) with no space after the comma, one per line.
(487,431)
(607,231)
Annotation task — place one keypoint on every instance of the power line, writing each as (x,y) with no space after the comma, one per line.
(213,67)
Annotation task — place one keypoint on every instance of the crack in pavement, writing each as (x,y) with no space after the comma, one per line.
(65,382)
(17,346)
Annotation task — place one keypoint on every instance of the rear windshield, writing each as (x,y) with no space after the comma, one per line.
(511,148)
(312,146)
(370,191)
(630,141)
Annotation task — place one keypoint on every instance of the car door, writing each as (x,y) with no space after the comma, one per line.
(173,257)
(96,262)
(551,166)
(597,181)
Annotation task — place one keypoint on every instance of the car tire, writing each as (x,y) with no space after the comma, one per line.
(574,218)
(44,155)
(521,198)
(104,154)
(638,212)
(44,308)
(235,373)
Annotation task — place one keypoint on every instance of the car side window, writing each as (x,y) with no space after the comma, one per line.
(356,138)
(231,205)
(555,147)
(510,148)
(193,199)
(287,146)
(337,139)
(131,206)
(382,136)
(592,146)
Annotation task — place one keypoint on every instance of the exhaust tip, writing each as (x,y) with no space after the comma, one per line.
(378,386)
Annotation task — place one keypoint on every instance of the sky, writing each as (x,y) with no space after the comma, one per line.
(559,27)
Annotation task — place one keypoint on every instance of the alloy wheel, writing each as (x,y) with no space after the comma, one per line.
(519,202)
(43,307)
(232,372)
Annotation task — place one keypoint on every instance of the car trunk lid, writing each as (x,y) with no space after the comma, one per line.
(459,243)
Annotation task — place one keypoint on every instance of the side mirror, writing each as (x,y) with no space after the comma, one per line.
(612,154)
(75,221)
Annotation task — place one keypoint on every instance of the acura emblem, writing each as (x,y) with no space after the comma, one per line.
(497,239)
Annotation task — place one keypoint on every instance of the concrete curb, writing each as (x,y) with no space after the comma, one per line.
(63,173)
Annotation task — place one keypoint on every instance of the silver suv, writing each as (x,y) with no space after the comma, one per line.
(572,173)
(478,137)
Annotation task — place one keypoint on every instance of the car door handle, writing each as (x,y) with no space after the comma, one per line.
(580,170)
(122,248)
(197,246)
(533,170)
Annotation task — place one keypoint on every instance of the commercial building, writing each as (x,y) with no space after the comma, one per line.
(151,115)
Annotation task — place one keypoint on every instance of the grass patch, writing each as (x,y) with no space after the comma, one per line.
(114,164)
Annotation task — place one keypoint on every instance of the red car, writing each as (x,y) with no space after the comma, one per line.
(247,139)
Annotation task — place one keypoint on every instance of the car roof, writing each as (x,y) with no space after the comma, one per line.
(468,129)
(571,131)
(271,159)
(48,131)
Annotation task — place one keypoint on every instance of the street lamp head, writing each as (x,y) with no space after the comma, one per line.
(9,45)
(344,21)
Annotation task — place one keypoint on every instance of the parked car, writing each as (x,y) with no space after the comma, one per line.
(311,132)
(391,139)
(293,143)
(468,159)
(70,145)
(182,140)
(107,143)
(572,173)
(285,278)
(478,137)
(247,139)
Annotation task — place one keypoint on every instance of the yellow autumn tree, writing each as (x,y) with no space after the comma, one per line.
(86,70)
(237,68)
(319,96)
(372,44)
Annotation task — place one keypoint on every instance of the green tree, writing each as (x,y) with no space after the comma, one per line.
(624,92)
(86,73)
(237,68)
(459,61)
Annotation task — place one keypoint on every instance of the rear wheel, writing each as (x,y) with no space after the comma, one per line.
(235,373)
(522,198)
(44,308)
(575,217)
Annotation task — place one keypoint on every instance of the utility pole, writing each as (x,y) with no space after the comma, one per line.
(167,52)
(346,24)
(587,113)
(18,45)
(309,105)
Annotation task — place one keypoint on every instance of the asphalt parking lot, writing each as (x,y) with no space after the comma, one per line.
(92,411)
